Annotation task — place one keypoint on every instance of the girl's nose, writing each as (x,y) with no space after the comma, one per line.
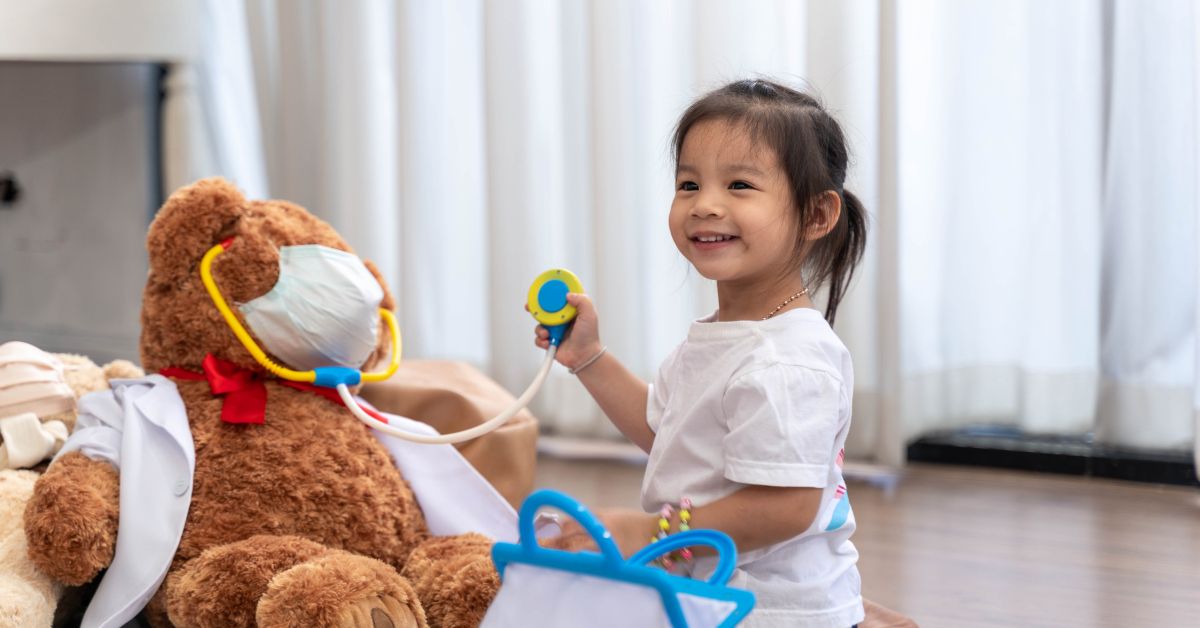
(706,206)
(707,210)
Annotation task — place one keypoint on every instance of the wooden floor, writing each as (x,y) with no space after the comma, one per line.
(954,547)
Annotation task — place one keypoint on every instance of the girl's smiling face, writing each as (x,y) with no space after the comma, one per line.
(733,215)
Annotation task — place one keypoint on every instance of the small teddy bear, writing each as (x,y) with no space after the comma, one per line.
(38,396)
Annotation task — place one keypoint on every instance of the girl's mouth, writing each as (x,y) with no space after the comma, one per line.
(712,241)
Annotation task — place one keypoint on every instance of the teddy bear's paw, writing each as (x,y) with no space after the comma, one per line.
(340,589)
(224,584)
(379,612)
(71,520)
(455,579)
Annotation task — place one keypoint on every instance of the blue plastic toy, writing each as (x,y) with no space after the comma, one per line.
(608,563)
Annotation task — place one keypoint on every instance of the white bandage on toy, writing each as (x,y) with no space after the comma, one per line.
(25,440)
(32,387)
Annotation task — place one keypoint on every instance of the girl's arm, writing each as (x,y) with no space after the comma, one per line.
(758,516)
(754,517)
(621,394)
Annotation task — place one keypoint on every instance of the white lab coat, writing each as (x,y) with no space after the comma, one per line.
(141,427)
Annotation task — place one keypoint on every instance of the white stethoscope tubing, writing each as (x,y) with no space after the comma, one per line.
(455,437)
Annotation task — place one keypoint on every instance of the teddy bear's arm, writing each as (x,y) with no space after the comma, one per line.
(71,520)
(454,578)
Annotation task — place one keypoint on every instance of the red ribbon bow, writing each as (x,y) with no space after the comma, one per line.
(244,390)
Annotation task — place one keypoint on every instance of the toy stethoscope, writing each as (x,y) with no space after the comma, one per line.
(547,303)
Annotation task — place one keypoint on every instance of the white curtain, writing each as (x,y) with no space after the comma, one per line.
(1196,234)
(1149,340)
(1047,168)
(1019,268)
(1000,154)
(210,115)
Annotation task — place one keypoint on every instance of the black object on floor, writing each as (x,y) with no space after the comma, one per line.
(1069,455)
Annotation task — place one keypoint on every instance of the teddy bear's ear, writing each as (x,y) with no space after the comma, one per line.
(193,219)
(122,369)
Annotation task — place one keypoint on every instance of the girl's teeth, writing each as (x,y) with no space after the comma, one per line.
(714,238)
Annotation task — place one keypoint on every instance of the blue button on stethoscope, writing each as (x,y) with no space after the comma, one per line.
(552,296)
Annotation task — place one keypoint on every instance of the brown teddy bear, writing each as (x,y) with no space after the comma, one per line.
(47,386)
(296,517)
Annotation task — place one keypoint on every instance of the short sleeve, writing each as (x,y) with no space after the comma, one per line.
(783,421)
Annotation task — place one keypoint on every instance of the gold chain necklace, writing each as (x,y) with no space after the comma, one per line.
(785,302)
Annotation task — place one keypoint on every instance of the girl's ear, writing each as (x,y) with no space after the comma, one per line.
(826,210)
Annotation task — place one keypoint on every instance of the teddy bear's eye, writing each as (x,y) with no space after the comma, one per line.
(229,230)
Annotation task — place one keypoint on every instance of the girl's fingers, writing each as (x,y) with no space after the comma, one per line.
(577,543)
(563,540)
(580,301)
(572,539)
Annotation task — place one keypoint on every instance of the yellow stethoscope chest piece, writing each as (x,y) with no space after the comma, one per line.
(548,297)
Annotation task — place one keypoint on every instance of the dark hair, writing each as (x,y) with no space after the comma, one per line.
(811,151)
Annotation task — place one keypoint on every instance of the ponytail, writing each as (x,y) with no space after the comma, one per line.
(846,244)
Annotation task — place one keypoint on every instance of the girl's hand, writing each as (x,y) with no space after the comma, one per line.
(583,338)
(630,529)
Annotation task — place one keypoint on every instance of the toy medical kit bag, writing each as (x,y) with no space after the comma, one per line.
(548,587)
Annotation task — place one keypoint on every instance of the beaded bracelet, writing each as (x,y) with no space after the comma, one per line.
(664,529)
(685,517)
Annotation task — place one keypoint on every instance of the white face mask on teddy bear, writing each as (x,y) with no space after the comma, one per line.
(323,310)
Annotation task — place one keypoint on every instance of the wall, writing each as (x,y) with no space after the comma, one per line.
(82,140)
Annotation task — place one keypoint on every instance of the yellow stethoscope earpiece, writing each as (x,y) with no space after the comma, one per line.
(328,376)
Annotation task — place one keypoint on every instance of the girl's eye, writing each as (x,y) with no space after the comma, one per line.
(688,186)
(740,185)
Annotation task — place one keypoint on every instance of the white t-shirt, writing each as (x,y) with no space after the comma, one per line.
(764,403)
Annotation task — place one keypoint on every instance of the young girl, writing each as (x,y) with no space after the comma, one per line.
(746,420)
